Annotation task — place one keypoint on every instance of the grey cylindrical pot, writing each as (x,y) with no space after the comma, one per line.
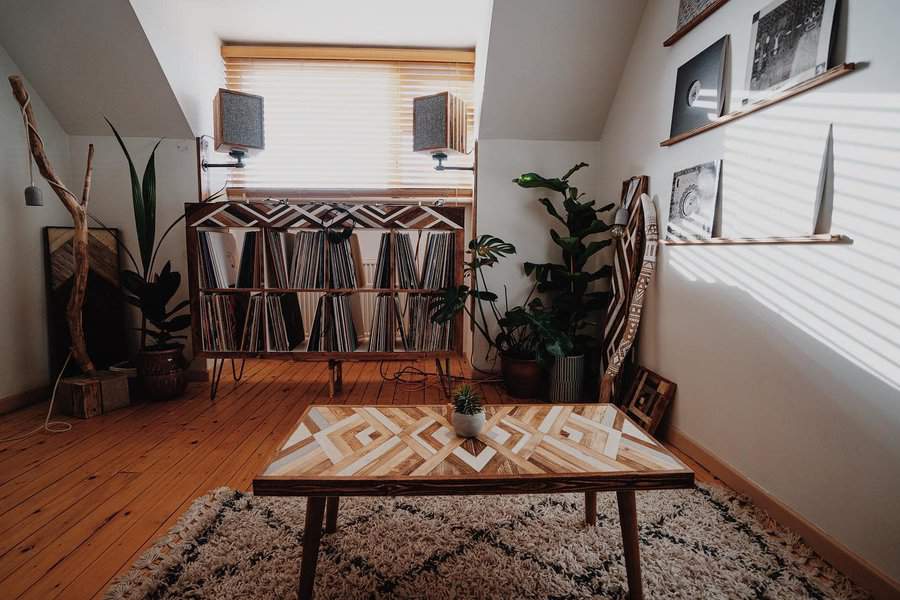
(468,426)
(567,379)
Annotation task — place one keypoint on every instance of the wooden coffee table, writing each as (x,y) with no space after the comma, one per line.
(523,449)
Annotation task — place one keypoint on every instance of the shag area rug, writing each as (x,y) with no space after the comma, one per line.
(701,543)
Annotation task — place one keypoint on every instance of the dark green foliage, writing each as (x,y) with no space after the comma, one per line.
(526,331)
(151,292)
(567,283)
(152,297)
(466,401)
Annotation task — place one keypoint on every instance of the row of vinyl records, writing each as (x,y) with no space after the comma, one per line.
(273,323)
(320,259)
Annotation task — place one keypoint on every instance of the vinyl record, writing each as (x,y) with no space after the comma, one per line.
(699,89)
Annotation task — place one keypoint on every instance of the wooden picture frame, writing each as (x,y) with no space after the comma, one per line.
(649,399)
(696,15)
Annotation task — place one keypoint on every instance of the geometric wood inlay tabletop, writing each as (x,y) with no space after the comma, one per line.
(413,450)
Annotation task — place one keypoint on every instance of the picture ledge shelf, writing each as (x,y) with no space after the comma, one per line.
(826,238)
(829,75)
(699,18)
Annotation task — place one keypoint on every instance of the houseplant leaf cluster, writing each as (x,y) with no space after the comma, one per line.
(567,283)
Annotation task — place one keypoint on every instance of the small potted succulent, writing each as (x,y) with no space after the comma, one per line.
(468,413)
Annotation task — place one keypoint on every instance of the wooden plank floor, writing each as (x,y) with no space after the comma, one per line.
(78,508)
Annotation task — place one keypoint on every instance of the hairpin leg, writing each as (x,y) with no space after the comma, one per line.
(218,367)
(237,375)
(445,377)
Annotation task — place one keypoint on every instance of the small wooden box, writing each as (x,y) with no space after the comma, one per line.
(87,397)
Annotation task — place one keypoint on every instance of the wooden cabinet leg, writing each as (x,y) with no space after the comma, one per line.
(590,508)
(331,513)
(631,543)
(312,535)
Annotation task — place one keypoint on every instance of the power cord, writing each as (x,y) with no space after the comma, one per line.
(414,379)
(48,425)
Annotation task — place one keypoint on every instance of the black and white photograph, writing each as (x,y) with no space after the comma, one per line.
(790,43)
(700,89)
(692,209)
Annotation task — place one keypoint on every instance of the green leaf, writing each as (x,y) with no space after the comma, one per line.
(138,205)
(577,167)
(551,209)
(132,282)
(179,306)
(594,247)
(606,207)
(449,303)
(148,191)
(533,180)
(570,244)
(484,295)
(177,323)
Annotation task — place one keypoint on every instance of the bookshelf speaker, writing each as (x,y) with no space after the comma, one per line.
(439,123)
(238,121)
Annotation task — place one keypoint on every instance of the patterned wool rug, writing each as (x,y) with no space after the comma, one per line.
(702,543)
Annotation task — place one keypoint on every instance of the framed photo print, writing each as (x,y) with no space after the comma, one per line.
(692,208)
(790,43)
(649,399)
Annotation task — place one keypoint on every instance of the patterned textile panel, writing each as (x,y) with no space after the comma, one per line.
(629,250)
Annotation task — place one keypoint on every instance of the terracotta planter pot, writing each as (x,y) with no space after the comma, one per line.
(523,378)
(161,373)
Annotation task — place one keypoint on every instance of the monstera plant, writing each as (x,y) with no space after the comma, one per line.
(527,337)
(567,283)
(160,363)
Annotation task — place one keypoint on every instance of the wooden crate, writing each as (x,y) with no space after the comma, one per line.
(87,397)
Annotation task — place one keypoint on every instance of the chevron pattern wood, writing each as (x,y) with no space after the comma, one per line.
(414,445)
(323,215)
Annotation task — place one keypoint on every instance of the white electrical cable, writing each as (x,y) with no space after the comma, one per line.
(48,425)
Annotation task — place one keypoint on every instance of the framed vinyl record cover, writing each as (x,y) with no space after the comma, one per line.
(700,89)
(692,209)
(790,43)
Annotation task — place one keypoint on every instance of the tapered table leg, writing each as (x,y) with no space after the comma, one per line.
(631,543)
(590,508)
(312,535)
(331,513)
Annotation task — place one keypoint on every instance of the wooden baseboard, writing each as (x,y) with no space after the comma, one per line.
(864,574)
(23,399)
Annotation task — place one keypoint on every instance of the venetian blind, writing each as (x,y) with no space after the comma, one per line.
(345,123)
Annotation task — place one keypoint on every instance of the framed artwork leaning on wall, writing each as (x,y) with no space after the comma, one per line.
(692,208)
(790,42)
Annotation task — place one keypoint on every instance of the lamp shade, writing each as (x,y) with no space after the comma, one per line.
(238,121)
(439,123)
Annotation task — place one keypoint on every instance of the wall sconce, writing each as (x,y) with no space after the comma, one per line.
(238,126)
(439,127)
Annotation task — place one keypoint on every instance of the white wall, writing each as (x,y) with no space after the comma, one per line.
(514,214)
(23,323)
(176,182)
(787,358)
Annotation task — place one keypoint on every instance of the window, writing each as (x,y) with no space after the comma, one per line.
(341,118)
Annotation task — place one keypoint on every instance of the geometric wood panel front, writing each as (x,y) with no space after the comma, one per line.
(318,215)
(417,444)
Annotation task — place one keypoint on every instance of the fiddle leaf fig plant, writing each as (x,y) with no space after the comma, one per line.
(568,283)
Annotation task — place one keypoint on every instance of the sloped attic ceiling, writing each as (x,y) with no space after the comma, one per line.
(553,67)
(88,59)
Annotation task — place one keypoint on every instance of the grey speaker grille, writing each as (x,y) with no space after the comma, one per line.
(430,126)
(242,120)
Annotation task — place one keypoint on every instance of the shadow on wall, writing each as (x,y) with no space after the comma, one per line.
(845,297)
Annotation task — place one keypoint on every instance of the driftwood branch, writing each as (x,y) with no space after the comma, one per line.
(78,210)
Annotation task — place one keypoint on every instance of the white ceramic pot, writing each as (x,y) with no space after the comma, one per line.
(468,426)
